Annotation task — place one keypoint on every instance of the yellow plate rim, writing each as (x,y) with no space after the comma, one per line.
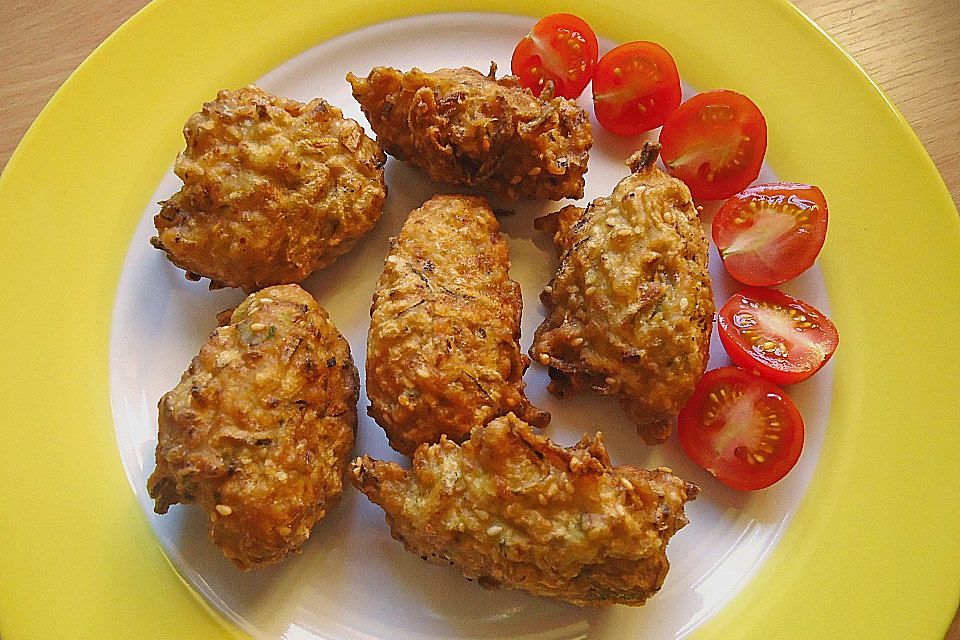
(873,549)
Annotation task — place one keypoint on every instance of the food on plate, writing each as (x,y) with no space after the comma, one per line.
(443,354)
(560,48)
(630,309)
(770,233)
(259,430)
(741,428)
(635,87)
(715,143)
(511,509)
(470,129)
(273,189)
(782,338)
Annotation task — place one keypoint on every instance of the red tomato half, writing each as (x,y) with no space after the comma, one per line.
(782,338)
(561,47)
(741,428)
(635,87)
(715,143)
(770,233)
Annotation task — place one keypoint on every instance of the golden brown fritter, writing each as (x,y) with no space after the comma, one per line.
(512,509)
(260,427)
(273,189)
(630,309)
(465,128)
(443,353)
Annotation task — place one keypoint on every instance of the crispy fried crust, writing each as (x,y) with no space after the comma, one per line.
(260,427)
(630,308)
(510,508)
(443,352)
(465,128)
(273,189)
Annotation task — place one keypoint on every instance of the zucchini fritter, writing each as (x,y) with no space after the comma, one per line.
(259,429)
(512,509)
(630,308)
(443,353)
(465,128)
(273,189)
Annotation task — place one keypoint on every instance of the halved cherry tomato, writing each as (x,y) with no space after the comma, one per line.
(715,143)
(635,87)
(560,47)
(782,338)
(770,233)
(741,428)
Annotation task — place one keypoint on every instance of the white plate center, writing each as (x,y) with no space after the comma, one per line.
(352,579)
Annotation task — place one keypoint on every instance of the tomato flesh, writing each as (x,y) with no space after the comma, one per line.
(715,143)
(782,338)
(741,428)
(770,233)
(561,48)
(635,87)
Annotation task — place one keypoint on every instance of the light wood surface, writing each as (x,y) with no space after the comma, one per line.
(910,48)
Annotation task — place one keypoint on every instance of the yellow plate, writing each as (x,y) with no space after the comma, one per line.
(872,552)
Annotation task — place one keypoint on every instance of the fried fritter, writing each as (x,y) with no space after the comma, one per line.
(630,308)
(259,430)
(443,353)
(512,509)
(273,189)
(465,128)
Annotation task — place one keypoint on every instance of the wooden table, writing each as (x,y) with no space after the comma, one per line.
(911,49)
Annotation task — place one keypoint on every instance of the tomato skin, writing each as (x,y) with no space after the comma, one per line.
(715,143)
(741,428)
(635,87)
(780,337)
(560,47)
(770,233)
